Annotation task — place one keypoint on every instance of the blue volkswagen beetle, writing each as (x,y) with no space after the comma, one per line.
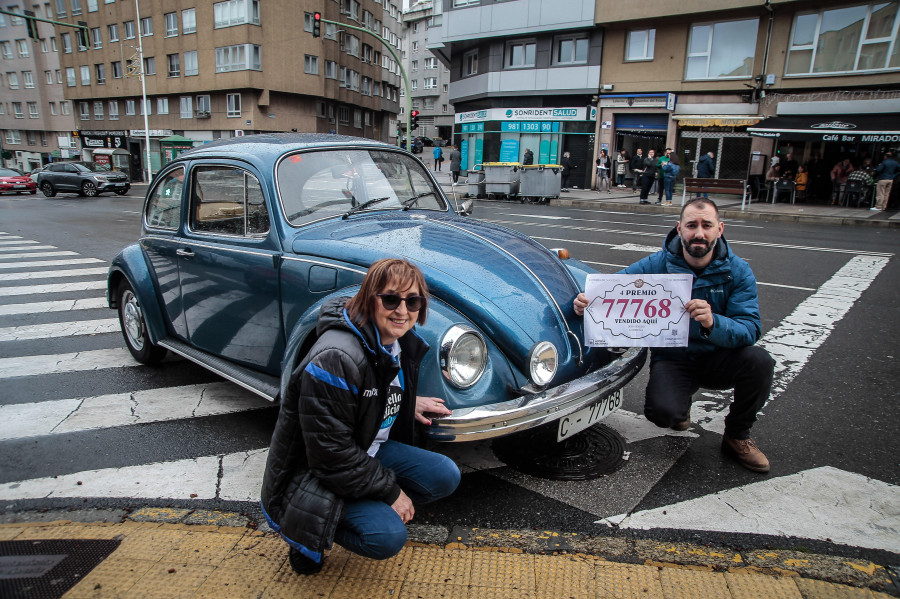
(242,241)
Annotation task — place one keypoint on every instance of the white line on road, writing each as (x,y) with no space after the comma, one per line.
(41,263)
(75,272)
(60,363)
(59,329)
(90,303)
(54,288)
(33,254)
(122,409)
(16,241)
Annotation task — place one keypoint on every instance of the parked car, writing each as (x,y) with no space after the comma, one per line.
(34,174)
(83,178)
(12,181)
(244,239)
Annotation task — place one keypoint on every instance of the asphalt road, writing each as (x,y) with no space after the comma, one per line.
(829,305)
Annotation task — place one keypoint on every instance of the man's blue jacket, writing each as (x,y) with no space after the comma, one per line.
(727,284)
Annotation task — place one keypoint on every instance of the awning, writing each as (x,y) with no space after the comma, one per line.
(848,128)
(692,120)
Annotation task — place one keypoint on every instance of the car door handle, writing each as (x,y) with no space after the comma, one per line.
(185,252)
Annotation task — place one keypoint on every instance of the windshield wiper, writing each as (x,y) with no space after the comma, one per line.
(407,204)
(364,205)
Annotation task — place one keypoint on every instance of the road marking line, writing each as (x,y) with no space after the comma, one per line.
(75,272)
(123,409)
(54,288)
(41,263)
(72,362)
(823,503)
(90,303)
(33,254)
(59,329)
(8,241)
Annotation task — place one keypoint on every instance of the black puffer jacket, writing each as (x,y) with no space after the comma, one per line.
(333,409)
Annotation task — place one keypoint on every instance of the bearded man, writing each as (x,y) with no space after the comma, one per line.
(725,325)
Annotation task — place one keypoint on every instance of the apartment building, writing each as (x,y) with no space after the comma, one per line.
(751,80)
(214,70)
(36,121)
(522,76)
(429,79)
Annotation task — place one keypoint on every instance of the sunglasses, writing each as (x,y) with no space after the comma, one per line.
(391,301)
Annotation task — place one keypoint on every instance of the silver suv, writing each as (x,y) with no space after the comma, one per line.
(83,178)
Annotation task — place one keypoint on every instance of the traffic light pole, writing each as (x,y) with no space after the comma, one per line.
(32,17)
(402,72)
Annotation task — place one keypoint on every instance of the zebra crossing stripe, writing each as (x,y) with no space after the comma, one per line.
(54,288)
(123,409)
(29,248)
(43,263)
(90,303)
(59,329)
(16,241)
(71,362)
(34,254)
(52,274)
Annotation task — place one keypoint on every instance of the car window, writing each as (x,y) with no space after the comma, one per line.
(164,202)
(323,183)
(5,172)
(227,201)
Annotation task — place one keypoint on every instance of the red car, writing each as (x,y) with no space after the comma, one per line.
(15,182)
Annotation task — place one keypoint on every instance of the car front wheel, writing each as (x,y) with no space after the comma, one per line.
(48,190)
(121,192)
(134,328)
(89,189)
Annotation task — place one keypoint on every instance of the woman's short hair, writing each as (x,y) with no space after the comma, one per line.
(401,273)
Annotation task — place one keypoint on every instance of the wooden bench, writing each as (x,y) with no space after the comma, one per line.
(718,186)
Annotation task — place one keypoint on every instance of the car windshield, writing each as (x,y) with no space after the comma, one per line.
(8,172)
(319,184)
(87,167)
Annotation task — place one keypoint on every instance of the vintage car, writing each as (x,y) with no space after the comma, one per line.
(244,239)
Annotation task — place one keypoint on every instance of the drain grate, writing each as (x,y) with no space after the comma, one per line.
(46,569)
(590,454)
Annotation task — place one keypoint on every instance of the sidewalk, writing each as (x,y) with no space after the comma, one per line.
(171,553)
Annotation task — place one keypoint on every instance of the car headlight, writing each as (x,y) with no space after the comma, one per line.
(463,356)
(542,362)
(101,178)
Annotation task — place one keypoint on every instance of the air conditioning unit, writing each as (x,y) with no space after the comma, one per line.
(203,114)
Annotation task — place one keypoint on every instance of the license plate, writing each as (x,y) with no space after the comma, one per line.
(120,185)
(578,421)
(19,186)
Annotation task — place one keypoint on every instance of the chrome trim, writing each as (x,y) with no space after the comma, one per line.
(360,271)
(529,411)
(194,243)
(218,371)
(448,341)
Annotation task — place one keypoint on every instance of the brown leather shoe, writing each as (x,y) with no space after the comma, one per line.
(746,453)
(682,425)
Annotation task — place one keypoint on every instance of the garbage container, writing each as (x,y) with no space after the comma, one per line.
(475,184)
(540,182)
(502,178)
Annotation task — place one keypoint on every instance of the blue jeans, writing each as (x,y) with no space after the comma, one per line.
(372,528)
(668,185)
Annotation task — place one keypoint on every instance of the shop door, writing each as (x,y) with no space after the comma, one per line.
(581,156)
(137,169)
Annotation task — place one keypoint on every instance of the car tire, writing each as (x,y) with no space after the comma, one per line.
(121,192)
(134,328)
(89,189)
(47,190)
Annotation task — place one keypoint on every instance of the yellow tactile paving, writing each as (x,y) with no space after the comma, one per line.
(753,586)
(564,575)
(8,533)
(300,587)
(111,579)
(426,590)
(257,553)
(201,548)
(66,532)
(511,571)
(356,588)
(394,568)
(240,583)
(625,581)
(439,566)
(165,580)
(681,583)
(817,589)
(149,543)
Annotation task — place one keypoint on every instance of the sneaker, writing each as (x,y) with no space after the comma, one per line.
(682,425)
(746,453)
(645,201)
(668,203)
(877,209)
(302,564)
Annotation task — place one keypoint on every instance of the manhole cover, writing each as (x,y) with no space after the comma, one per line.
(46,569)
(590,454)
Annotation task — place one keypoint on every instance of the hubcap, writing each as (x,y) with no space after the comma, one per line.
(133,320)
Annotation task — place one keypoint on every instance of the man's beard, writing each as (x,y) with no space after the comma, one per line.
(697,250)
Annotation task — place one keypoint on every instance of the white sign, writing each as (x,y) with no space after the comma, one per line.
(637,310)
(574,113)
(153,133)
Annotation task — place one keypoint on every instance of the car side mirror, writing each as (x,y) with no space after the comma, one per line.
(466,207)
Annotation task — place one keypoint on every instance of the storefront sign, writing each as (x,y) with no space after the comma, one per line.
(528,127)
(525,114)
(633,102)
(473,128)
(103,141)
(153,133)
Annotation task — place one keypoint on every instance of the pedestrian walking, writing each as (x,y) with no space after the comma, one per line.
(455,164)
(622,161)
(603,168)
(670,172)
(706,169)
(528,158)
(648,175)
(637,169)
(885,174)
(568,165)
(438,157)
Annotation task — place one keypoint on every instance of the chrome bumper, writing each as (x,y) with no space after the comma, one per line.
(529,411)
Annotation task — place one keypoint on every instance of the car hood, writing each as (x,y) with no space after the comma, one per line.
(505,283)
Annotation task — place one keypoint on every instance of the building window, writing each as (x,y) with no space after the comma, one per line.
(845,40)
(98,110)
(13,136)
(96,38)
(520,54)
(465,2)
(33,110)
(203,106)
(171,23)
(22,46)
(233,102)
(357,118)
(129,107)
(721,50)
(444,108)
(61,8)
(6,50)
(84,111)
(430,83)
(308,22)
(431,63)
(112,31)
(238,58)
(191,66)
(12,80)
(366,89)
(92,6)
(100,71)
(174,65)
(189,20)
(150,65)
(70,77)
(330,69)
(66,43)
(48,75)
(470,63)
(129,29)
(76,7)
(310,64)
(236,12)
(45,47)
(571,50)
(146,26)
(116,69)
(65,108)
(85,75)
(351,45)
(186,107)
(330,32)
(44,138)
(17,110)
(414,65)
(414,85)
(31,137)
(162,106)
(343,115)
(428,104)
(639,44)
(114,110)
(28,79)
(145,107)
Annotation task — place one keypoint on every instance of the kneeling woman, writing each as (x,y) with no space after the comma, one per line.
(340,467)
